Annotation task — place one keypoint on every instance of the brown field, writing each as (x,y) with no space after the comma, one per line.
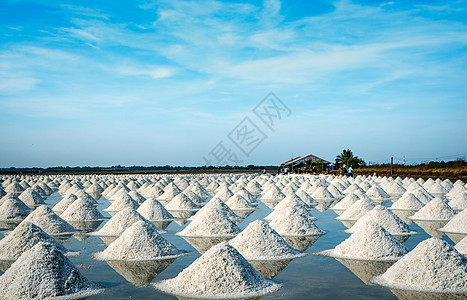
(452,174)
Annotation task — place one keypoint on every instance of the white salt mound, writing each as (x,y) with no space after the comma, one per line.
(433,266)
(44,272)
(81,210)
(408,201)
(212,222)
(64,203)
(346,202)
(181,202)
(23,238)
(122,202)
(458,224)
(221,272)
(462,246)
(220,205)
(384,217)
(370,242)
(294,222)
(237,202)
(139,242)
(118,223)
(153,210)
(258,241)
(357,210)
(48,221)
(435,210)
(13,209)
(31,198)
(274,193)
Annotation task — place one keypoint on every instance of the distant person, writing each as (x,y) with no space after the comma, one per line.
(264,171)
(350,170)
(278,171)
(286,171)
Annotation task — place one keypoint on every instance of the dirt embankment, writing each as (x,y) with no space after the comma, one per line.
(452,174)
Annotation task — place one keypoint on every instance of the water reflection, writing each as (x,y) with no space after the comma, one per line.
(415,295)
(365,269)
(269,268)
(140,273)
(86,226)
(431,227)
(243,213)
(9,225)
(162,224)
(301,243)
(404,215)
(203,244)
(324,205)
(454,236)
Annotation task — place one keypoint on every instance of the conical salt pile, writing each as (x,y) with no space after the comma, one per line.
(139,242)
(212,222)
(384,217)
(291,202)
(137,197)
(31,198)
(81,210)
(274,193)
(459,201)
(13,209)
(118,223)
(422,195)
(408,201)
(237,202)
(357,210)
(122,202)
(224,193)
(306,198)
(322,194)
(435,210)
(153,210)
(458,224)
(221,272)
(220,205)
(44,272)
(433,266)
(346,202)
(23,238)
(377,194)
(64,203)
(181,202)
(370,242)
(48,221)
(462,246)
(258,241)
(295,222)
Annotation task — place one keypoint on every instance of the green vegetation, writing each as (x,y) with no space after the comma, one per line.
(348,159)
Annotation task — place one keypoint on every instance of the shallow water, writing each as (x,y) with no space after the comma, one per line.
(310,277)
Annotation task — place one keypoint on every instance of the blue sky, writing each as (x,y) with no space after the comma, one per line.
(163,82)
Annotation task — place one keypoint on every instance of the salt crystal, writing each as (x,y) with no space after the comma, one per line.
(357,210)
(81,210)
(153,210)
(370,242)
(43,272)
(436,210)
(295,222)
(432,266)
(139,242)
(48,221)
(258,241)
(212,222)
(221,272)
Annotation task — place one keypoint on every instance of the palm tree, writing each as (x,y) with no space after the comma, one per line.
(347,158)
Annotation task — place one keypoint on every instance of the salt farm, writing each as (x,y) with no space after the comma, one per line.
(232,236)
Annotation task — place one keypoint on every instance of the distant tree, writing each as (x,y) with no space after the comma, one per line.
(349,159)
